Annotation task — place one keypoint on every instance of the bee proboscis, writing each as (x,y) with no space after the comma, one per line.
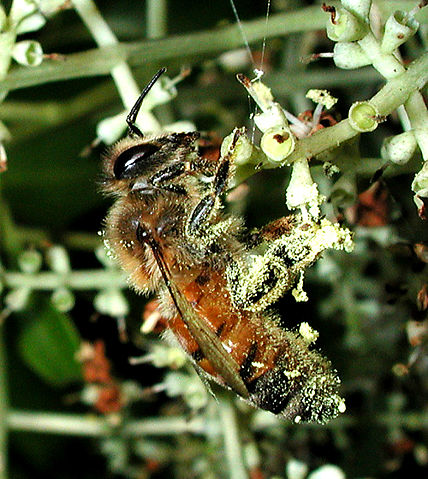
(169,233)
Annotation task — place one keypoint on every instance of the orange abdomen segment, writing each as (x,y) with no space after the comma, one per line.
(243,334)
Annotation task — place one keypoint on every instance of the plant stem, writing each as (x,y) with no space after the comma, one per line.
(231,436)
(156,14)
(390,97)
(418,116)
(390,67)
(77,280)
(85,425)
(101,61)
(3,406)
(80,425)
(121,73)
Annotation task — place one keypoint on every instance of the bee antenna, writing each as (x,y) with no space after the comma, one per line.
(132,116)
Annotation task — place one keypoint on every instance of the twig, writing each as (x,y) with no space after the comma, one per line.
(100,61)
(77,280)
(3,406)
(232,440)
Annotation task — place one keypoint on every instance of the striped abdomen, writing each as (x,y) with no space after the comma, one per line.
(279,370)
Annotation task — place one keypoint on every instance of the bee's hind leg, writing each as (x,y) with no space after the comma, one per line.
(259,279)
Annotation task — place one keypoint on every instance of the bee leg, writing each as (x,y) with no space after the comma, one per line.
(181,144)
(162,179)
(259,284)
(270,232)
(258,280)
(209,203)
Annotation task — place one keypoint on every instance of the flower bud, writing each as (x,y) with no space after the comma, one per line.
(344,191)
(28,53)
(277,143)
(111,129)
(360,8)
(363,116)
(63,299)
(25,16)
(7,41)
(161,92)
(17,299)
(58,259)
(243,148)
(348,56)
(296,469)
(167,356)
(399,27)
(399,148)
(420,185)
(30,261)
(270,118)
(111,302)
(3,18)
(327,471)
(346,27)
(103,257)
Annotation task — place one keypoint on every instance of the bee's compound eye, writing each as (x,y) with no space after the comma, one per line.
(134,161)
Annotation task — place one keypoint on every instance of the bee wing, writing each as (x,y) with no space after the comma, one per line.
(207,340)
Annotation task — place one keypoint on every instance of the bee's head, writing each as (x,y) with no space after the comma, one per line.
(135,163)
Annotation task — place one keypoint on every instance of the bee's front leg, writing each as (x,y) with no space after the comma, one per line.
(210,203)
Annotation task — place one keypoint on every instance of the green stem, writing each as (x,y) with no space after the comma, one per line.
(232,440)
(418,116)
(77,280)
(83,425)
(3,406)
(157,21)
(396,92)
(121,73)
(101,61)
(390,67)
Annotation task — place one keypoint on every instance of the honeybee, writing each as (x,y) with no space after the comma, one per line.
(214,281)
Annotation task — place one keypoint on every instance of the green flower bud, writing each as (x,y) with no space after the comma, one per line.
(270,118)
(360,8)
(17,299)
(111,302)
(167,356)
(3,18)
(399,148)
(161,92)
(346,27)
(30,261)
(103,257)
(420,182)
(277,143)
(58,259)
(7,41)
(399,27)
(111,129)
(349,56)
(63,299)
(28,53)
(25,16)
(344,191)
(242,151)
(363,116)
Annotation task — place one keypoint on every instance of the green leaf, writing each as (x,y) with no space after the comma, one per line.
(48,345)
